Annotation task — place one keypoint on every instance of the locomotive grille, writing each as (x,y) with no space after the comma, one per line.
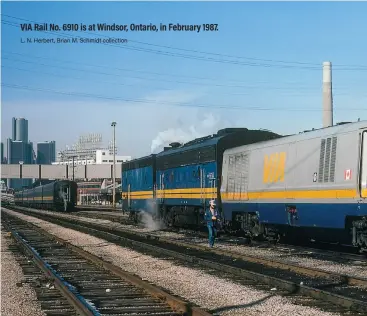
(327,160)
(322,158)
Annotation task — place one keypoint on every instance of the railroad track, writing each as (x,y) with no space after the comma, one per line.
(286,249)
(79,283)
(337,253)
(329,290)
(312,251)
(97,208)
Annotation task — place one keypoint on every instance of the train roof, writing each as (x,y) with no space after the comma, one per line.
(214,139)
(344,127)
(138,162)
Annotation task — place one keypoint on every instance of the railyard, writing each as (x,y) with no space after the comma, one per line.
(309,282)
(220,143)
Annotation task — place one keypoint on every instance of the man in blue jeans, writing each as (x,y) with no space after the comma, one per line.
(211,217)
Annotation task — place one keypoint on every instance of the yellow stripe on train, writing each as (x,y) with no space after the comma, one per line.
(195,193)
(302,194)
(188,193)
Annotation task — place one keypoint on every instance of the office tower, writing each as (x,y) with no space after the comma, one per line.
(2,153)
(19,152)
(20,129)
(46,153)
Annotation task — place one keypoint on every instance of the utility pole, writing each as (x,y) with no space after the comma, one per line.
(113,124)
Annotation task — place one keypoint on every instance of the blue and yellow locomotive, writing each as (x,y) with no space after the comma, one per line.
(177,183)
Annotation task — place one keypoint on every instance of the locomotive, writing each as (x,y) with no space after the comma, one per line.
(308,185)
(57,195)
(176,184)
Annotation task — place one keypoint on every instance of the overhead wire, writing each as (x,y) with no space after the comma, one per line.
(165,53)
(126,69)
(67,35)
(317,66)
(145,101)
(121,84)
(154,79)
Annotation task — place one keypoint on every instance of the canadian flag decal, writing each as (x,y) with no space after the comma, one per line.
(347,174)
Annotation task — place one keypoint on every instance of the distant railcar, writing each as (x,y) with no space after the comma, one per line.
(58,195)
(311,185)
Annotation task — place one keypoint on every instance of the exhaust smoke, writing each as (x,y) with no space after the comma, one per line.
(150,217)
(205,126)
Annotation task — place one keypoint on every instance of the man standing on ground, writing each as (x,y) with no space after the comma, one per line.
(211,218)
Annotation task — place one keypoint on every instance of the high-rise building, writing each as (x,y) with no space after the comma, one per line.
(46,153)
(19,150)
(2,153)
(20,129)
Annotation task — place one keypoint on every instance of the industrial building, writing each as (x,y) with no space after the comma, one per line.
(99,157)
(84,149)
(46,152)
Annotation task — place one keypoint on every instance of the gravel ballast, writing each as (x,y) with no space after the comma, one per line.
(357,269)
(221,296)
(15,300)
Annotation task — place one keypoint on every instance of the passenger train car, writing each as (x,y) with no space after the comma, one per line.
(309,185)
(312,185)
(177,183)
(58,195)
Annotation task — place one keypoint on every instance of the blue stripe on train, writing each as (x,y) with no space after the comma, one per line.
(309,214)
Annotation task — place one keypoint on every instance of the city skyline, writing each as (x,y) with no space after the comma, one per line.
(262,69)
(20,150)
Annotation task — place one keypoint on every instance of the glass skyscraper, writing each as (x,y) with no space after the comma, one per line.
(46,153)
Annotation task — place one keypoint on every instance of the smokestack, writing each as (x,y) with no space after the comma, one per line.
(327,95)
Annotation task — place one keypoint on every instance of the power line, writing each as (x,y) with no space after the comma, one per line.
(165,53)
(125,69)
(132,85)
(119,83)
(354,67)
(189,50)
(152,79)
(88,95)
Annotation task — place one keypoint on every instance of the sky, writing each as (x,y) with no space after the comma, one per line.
(262,68)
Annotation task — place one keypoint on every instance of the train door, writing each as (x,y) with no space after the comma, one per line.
(363,180)
(65,193)
(202,187)
(212,185)
(161,188)
(128,196)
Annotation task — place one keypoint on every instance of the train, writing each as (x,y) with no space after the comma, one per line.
(311,185)
(57,195)
(176,184)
